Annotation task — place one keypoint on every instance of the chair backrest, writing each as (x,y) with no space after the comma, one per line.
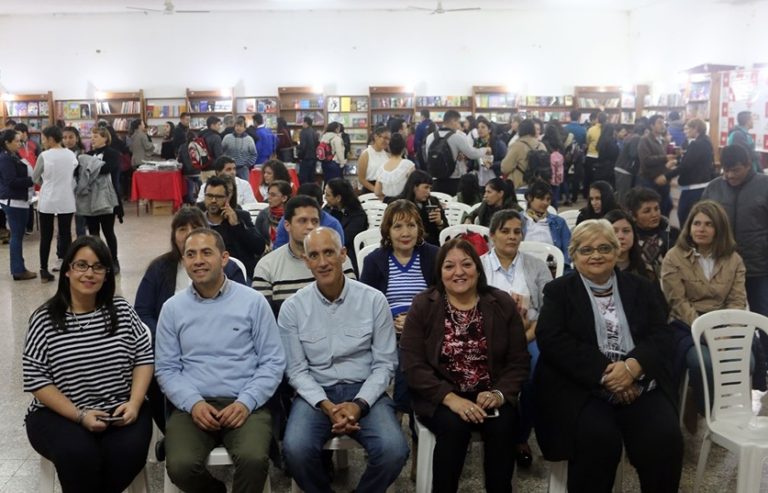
(543,250)
(375,213)
(371,236)
(454,211)
(453,231)
(240,264)
(444,198)
(368,197)
(570,217)
(362,254)
(254,208)
(728,335)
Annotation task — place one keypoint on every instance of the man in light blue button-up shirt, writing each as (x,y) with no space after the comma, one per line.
(341,355)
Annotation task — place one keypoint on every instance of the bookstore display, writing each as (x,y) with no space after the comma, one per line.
(157,111)
(744,90)
(438,105)
(494,102)
(352,112)
(296,103)
(619,105)
(34,110)
(268,106)
(546,107)
(203,104)
(78,113)
(390,102)
(119,108)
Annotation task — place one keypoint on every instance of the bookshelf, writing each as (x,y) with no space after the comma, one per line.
(438,105)
(495,103)
(78,113)
(352,112)
(34,110)
(620,105)
(120,108)
(203,104)
(546,107)
(157,111)
(268,106)
(390,102)
(297,102)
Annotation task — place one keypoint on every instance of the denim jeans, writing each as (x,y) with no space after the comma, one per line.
(80,227)
(331,170)
(687,199)
(243,172)
(380,435)
(524,424)
(17,221)
(193,186)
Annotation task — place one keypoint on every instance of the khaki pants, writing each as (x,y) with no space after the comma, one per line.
(187,448)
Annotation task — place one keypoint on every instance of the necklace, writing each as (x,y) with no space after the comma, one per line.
(462,320)
(90,319)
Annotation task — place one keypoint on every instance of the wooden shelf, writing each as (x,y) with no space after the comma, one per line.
(378,94)
(13,103)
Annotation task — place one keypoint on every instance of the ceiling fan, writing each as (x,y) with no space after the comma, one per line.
(169,9)
(441,10)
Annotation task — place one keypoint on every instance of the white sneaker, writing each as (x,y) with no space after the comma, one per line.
(57,265)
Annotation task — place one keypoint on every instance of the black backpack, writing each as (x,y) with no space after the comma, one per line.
(538,165)
(440,161)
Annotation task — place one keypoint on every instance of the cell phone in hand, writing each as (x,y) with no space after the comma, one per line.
(492,413)
(110,419)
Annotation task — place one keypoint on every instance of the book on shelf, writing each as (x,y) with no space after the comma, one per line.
(84,111)
(120,124)
(84,127)
(197,122)
(334,103)
(222,105)
(32,108)
(495,101)
(383,118)
(203,107)
(165,110)
(34,124)
(44,110)
(318,118)
(130,107)
(598,102)
(384,102)
(443,101)
(546,101)
(495,116)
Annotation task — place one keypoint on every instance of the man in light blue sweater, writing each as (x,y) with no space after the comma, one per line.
(219,359)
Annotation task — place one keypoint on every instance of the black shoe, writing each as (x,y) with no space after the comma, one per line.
(160,450)
(523,458)
(24,276)
(46,276)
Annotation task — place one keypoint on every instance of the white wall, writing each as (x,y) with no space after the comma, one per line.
(344,53)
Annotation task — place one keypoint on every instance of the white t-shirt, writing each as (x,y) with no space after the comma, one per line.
(56,168)
(376,160)
(393,182)
(538,230)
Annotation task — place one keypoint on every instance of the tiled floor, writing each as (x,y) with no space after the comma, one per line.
(141,239)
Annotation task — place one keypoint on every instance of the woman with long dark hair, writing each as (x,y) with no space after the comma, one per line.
(498,196)
(600,202)
(392,175)
(88,361)
(166,149)
(15,186)
(417,189)
(489,168)
(608,152)
(285,143)
(629,257)
(342,203)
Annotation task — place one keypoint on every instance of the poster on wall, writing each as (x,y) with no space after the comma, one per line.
(745,90)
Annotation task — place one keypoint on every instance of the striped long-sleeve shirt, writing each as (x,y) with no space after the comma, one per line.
(91,367)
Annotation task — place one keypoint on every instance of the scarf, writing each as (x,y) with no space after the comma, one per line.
(536,216)
(625,341)
(275,214)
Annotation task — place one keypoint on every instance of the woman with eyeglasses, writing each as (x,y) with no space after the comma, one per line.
(88,361)
(603,379)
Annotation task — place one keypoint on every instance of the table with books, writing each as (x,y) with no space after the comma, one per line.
(158,185)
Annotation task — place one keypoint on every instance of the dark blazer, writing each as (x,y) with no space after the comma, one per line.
(422,340)
(697,165)
(376,266)
(570,364)
(14,178)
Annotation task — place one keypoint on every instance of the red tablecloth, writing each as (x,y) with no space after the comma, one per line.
(255,181)
(158,185)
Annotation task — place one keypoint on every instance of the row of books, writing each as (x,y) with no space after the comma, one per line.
(26,108)
(391,102)
(84,127)
(33,123)
(351,120)
(495,101)
(302,103)
(121,124)
(318,117)
(566,100)
(546,116)
(383,118)
(215,106)
(496,116)
(165,110)
(347,103)
(74,110)
(600,102)
(443,101)
(257,105)
(674,99)
(699,90)
(438,116)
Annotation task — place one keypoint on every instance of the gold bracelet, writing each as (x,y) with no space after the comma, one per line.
(499,395)
(626,367)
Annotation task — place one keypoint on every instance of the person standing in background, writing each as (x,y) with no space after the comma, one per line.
(179,136)
(655,163)
(696,168)
(593,136)
(420,137)
(266,142)
(740,136)
(240,146)
(285,144)
(373,158)
(307,157)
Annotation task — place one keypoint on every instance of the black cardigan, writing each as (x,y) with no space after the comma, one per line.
(376,266)
(697,165)
(571,365)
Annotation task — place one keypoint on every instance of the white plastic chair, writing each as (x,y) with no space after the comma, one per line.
(731,423)
(452,231)
(444,198)
(570,217)
(241,265)
(375,212)
(368,197)
(217,457)
(543,250)
(341,444)
(47,483)
(361,256)
(371,236)
(254,208)
(454,211)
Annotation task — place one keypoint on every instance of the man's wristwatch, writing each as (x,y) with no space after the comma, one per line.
(365,408)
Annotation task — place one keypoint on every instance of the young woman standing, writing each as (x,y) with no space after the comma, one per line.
(15,184)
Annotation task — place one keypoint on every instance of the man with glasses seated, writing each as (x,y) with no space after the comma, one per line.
(233,224)
(225,165)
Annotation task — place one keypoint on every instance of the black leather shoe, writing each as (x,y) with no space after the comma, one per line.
(160,450)
(523,458)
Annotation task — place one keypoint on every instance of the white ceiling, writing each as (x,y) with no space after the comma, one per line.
(21,7)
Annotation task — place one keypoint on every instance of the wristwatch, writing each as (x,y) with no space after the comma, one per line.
(365,408)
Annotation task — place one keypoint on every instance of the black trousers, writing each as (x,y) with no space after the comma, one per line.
(452,436)
(87,462)
(446,185)
(649,431)
(64,222)
(105,223)
(589,165)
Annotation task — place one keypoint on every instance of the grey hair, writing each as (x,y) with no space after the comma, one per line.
(589,229)
(334,237)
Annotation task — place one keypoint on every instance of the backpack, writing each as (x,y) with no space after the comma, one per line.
(538,165)
(556,162)
(199,155)
(324,151)
(440,161)
(477,241)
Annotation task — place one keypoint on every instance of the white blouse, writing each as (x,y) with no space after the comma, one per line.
(376,160)
(393,182)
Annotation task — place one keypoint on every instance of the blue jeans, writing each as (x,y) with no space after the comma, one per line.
(684,205)
(524,423)
(80,225)
(380,435)
(243,172)
(193,187)
(307,170)
(17,222)
(331,170)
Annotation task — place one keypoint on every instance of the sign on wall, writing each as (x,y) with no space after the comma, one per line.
(745,90)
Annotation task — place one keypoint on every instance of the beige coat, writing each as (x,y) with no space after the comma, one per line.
(690,294)
(515,162)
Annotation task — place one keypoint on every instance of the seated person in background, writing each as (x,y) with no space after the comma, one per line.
(700,274)
(225,165)
(270,171)
(603,378)
(403,267)
(340,346)
(498,196)
(219,360)
(542,226)
(164,277)
(342,203)
(465,362)
(282,272)
(629,259)
(652,228)
(267,220)
(87,360)
(469,190)
(417,190)
(392,175)
(523,276)
(326,220)
(233,224)
(600,201)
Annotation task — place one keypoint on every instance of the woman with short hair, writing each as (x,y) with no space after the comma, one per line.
(652,227)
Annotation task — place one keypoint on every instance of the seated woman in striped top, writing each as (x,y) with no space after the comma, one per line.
(88,361)
(403,267)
